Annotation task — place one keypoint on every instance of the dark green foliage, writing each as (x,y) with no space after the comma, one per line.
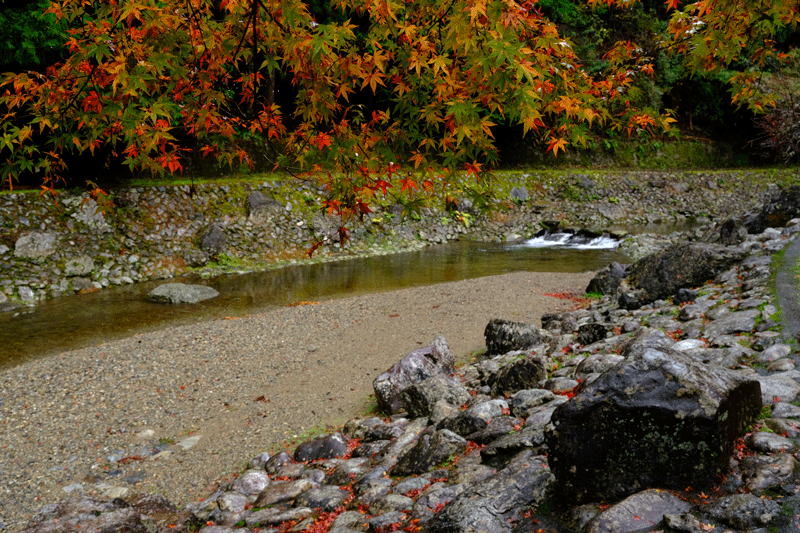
(28,37)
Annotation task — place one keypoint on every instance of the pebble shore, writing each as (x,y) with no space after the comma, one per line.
(174,413)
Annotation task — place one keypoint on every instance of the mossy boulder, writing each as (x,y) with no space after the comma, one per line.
(657,419)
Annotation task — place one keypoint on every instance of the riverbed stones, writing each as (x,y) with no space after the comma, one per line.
(661,275)
(495,503)
(413,368)
(657,419)
(180,293)
(744,511)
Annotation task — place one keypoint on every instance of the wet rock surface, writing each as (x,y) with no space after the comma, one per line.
(449,468)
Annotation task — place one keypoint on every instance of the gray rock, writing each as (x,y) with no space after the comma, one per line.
(684,523)
(87,212)
(250,482)
(744,511)
(78,266)
(776,351)
(282,491)
(196,258)
(348,471)
(519,194)
(765,472)
(597,363)
(524,372)
(261,208)
(275,516)
(325,227)
(497,427)
(768,442)
(386,521)
(232,502)
(776,212)
(531,437)
(608,280)
(641,511)
(658,419)
(785,410)
(326,498)
(438,494)
(36,245)
(420,398)
(391,503)
(415,367)
(647,338)
(736,322)
(325,447)
(503,336)
(26,294)
(350,520)
(476,417)
(523,402)
(430,451)
(494,503)
(214,241)
(778,388)
(259,461)
(178,293)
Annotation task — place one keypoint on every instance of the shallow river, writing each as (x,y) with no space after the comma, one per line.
(71,322)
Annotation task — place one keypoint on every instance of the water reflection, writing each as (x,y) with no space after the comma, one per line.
(81,320)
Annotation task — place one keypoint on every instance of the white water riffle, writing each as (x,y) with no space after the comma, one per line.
(581,240)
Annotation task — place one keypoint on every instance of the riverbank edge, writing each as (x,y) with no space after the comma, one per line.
(148,233)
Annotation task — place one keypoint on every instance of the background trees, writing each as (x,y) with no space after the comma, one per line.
(373,94)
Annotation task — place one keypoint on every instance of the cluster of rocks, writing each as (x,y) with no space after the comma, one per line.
(669,402)
(51,247)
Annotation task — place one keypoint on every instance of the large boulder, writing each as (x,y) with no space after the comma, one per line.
(659,276)
(415,367)
(657,419)
(776,212)
(503,336)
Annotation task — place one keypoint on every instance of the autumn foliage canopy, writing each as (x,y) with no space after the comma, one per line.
(378,89)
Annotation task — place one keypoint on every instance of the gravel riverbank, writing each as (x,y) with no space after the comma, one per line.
(215,394)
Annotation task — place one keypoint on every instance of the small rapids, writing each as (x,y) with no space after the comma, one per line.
(577,239)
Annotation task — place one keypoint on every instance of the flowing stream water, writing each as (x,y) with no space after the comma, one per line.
(81,320)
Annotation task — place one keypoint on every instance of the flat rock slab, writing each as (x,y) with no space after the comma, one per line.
(641,511)
(181,293)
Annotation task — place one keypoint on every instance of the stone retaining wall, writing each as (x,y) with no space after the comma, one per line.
(52,247)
